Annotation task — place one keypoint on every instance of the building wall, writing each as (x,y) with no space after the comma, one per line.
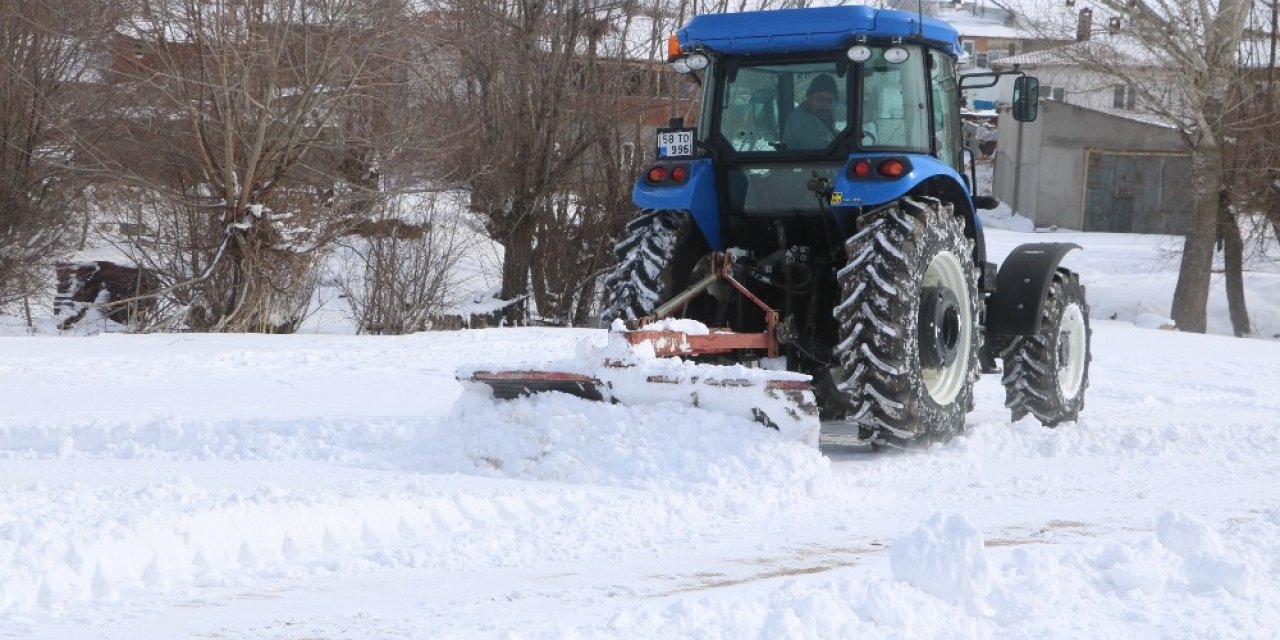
(1052,151)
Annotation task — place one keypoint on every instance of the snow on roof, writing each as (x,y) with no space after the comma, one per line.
(983,20)
(1121,50)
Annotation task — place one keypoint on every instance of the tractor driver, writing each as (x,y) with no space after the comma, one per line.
(812,124)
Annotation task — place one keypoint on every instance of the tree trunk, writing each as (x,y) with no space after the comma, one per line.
(1233,258)
(269,290)
(1273,211)
(538,276)
(1191,295)
(517,256)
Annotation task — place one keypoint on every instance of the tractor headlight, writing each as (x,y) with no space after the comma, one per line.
(859,53)
(697,61)
(681,65)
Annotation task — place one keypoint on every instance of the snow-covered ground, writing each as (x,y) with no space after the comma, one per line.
(329,486)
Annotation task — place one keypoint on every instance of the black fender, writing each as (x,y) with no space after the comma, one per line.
(1021,285)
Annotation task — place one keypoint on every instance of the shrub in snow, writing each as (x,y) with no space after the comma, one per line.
(945,557)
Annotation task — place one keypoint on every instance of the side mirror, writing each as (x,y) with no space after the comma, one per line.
(1026,99)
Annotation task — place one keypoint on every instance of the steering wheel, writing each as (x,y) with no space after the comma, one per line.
(868,138)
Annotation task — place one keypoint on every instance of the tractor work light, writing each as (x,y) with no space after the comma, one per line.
(657,174)
(681,65)
(697,61)
(896,55)
(859,53)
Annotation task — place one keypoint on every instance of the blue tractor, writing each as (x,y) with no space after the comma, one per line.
(820,213)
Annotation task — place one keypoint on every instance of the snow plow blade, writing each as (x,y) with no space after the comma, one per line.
(780,400)
(508,385)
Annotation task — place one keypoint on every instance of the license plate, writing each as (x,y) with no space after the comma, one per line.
(676,143)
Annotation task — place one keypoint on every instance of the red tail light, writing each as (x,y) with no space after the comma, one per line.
(861,169)
(657,174)
(679,174)
(892,168)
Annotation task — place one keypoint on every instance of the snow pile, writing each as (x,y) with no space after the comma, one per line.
(945,557)
(1206,565)
(664,447)
(1004,217)
(683,325)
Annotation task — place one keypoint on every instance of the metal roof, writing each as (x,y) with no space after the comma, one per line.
(812,29)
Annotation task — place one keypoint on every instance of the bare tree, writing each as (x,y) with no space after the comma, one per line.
(257,112)
(47,80)
(400,271)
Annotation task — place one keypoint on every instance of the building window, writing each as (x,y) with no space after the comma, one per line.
(1123,97)
(980,60)
(1059,94)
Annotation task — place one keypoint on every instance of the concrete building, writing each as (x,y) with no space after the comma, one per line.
(1081,168)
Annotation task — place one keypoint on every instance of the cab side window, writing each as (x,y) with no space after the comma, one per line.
(946,108)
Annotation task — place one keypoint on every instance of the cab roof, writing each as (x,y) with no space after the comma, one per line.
(812,29)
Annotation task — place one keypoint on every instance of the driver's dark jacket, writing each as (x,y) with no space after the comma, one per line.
(807,130)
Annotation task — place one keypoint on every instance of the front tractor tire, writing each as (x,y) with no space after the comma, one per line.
(647,257)
(1046,373)
(908,324)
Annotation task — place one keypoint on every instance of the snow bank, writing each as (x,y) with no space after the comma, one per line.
(668,447)
(1024,590)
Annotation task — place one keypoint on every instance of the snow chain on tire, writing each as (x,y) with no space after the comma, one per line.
(1046,373)
(888,381)
(641,278)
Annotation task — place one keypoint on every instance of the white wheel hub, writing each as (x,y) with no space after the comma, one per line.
(1072,343)
(944,382)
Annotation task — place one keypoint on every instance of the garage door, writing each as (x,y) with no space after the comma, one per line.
(1137,192)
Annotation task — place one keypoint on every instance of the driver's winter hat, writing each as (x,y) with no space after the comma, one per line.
(822,83)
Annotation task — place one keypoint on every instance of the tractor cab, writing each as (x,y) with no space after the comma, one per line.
(774,122)
(813,113)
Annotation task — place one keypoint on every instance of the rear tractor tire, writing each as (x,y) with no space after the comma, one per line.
(1046,373)
(647,257)
(908,321)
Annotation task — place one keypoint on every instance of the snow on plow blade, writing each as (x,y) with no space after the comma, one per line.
(779,399)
